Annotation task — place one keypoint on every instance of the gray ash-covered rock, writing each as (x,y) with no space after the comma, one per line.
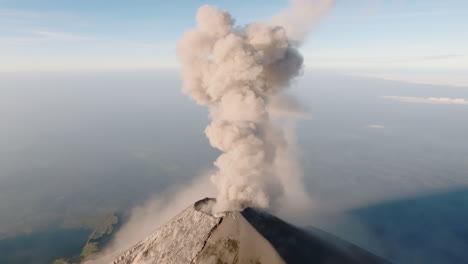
(251,236)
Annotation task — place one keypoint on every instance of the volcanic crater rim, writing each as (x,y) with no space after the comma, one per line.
(206,205)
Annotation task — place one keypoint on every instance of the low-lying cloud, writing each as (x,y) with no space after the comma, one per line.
(427,100)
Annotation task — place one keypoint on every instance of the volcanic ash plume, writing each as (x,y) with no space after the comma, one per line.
(236,71)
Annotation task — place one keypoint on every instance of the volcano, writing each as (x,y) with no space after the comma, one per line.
(250,236)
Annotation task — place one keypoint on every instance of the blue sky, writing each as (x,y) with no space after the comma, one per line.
(413,40)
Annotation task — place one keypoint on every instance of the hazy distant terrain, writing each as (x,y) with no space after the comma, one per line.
(79,146)
(361,147)
(426,229)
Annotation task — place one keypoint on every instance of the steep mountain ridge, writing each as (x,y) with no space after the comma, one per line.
(251,236)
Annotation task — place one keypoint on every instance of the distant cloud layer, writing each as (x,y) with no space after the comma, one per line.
(428,100)
(376,126)
(454,78)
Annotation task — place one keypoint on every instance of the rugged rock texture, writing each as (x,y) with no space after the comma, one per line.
(194,237)
(177,242)
(236,241)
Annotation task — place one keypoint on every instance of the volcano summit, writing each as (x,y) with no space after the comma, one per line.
(249,236)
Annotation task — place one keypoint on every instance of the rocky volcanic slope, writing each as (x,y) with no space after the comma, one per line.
(250,236)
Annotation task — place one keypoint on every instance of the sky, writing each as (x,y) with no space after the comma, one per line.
(423,41)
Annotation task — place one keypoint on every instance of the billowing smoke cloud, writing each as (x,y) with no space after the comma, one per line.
(239,73)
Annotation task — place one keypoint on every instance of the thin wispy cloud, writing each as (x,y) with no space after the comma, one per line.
(454,78)
(17,18)
(16,41)
(39,36)
(18,13)
(36,15)
(390,59)
(60,36)
(377,12)
(376,126)
(427,100)
(423,13)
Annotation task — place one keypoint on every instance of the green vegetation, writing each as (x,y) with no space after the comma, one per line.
(60,261)
(105,227)
(89,249)
(102,233)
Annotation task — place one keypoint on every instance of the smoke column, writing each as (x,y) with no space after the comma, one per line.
(238,72)
(301,16)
